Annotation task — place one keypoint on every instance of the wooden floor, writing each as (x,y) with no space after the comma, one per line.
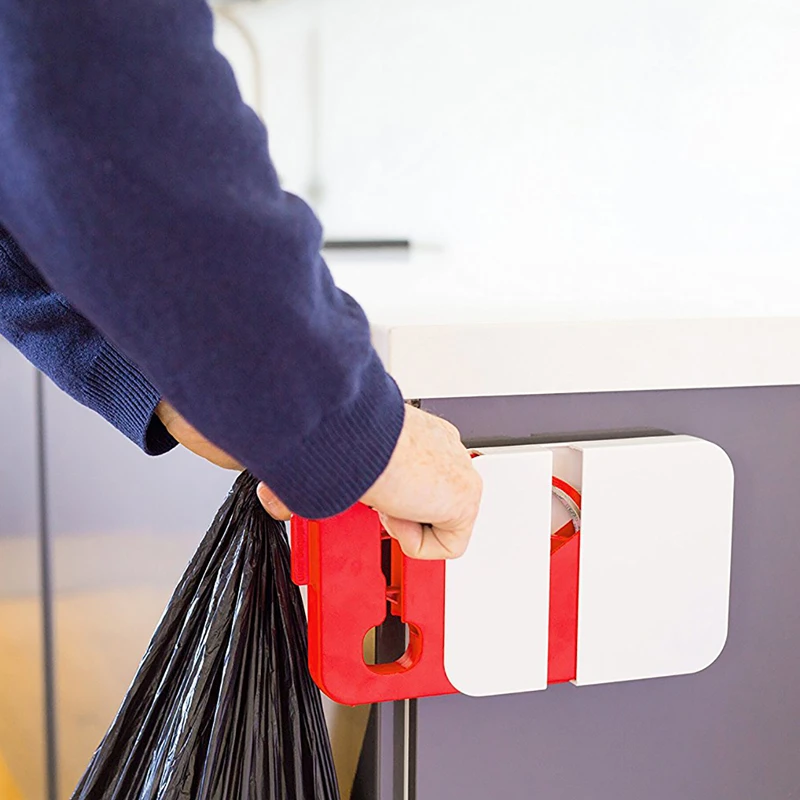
(21,705)
(100,638)
(8,786)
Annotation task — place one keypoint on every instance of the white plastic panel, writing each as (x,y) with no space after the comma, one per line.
(497,594)
(655,557)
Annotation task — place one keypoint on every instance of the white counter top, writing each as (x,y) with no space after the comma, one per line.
(448,328)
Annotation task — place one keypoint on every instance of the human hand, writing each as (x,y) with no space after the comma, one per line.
(187,435)
(428,495)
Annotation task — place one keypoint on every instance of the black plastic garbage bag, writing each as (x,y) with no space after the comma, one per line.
(222,706)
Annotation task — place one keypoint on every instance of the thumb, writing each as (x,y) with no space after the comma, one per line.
(272,505)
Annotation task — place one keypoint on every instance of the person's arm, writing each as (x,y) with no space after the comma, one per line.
(140,185)
(73,353)
(57,339)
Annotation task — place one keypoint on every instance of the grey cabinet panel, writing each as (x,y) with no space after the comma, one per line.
(731,731)
(22,748)
(17,439)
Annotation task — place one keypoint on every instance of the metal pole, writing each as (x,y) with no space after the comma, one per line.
(46,584)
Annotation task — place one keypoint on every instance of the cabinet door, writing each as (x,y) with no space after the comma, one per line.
(22,715)
(730,731)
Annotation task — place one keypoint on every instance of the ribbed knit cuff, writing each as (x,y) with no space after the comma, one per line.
(118,391)
(347,452)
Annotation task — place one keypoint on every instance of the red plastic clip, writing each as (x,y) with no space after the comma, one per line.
(340,561)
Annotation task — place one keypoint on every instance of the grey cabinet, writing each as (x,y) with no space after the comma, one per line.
(731,731)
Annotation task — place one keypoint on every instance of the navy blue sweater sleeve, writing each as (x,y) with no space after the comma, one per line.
(140,184)
(73,354)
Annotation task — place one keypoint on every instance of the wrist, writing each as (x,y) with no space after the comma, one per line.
(116,389)
(165,413)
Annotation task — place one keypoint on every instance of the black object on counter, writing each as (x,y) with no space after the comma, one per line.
(222,706)
(367,244)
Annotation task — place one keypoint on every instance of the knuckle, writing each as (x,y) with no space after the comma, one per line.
(474,489)
(450,429)
(458,547)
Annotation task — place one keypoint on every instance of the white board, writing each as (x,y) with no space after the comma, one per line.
(497,594)
(655,557)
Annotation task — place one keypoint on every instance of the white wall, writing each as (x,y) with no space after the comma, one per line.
(623,135)
(283,34)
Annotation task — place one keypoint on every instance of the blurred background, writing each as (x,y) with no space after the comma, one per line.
(628,142)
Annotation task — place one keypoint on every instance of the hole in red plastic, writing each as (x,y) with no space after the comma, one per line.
(389,646)
(387,643)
